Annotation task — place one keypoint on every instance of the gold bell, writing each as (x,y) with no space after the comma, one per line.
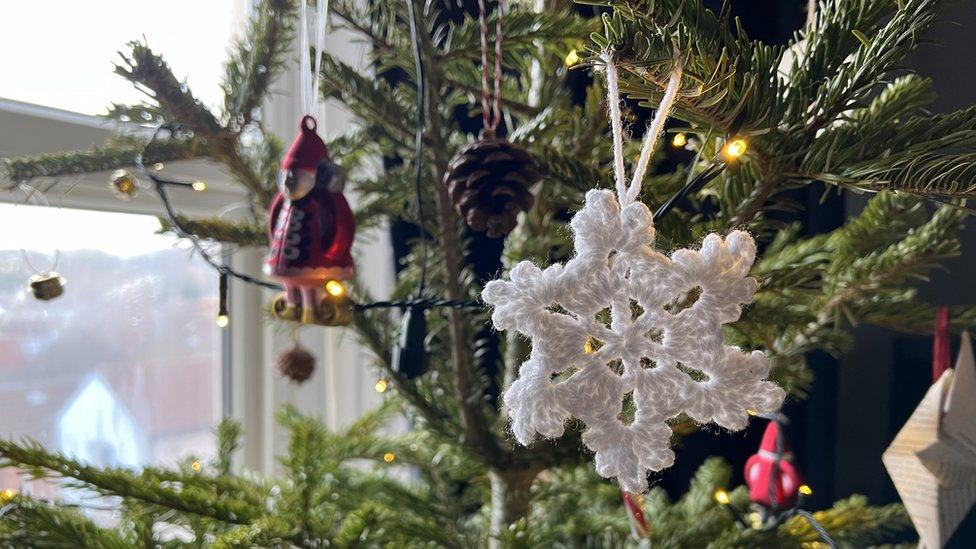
(47,285)
(124,185)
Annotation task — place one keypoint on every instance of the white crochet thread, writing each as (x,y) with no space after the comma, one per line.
(626,194)
(621,318)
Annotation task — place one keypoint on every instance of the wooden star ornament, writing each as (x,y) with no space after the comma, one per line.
(932,461)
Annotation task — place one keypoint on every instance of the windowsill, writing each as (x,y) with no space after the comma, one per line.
(36,129)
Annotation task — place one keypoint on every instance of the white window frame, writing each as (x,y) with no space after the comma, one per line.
(342,387)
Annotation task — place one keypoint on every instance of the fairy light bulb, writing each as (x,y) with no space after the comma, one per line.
(335,288)
(680,140)
(196,466)
(805,490)
(572,58)
(7,495)
(381,385)
(389,457)
(735,148)
(590,346)
(722,497)
(199,186)
(223,315)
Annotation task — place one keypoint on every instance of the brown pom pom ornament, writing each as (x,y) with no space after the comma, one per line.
(488,181)
(297,364)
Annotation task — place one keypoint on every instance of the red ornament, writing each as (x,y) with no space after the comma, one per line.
(773,481)
(941,353)
(310,228)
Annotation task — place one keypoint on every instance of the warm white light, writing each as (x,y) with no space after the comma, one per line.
(590,346)
(722,497)
(222,321)
(381,385)
(572,58)
(335,288)
(805,490)
(680,140)
(199,186)
(734,149)
(389,457)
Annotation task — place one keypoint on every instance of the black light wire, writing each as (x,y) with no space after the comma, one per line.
(160,183)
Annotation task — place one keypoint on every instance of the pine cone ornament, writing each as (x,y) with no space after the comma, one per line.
(297,364)
(489,184)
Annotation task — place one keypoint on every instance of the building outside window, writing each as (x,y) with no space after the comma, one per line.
(125,368)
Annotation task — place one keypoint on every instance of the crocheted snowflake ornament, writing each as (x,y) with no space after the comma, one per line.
(606,327)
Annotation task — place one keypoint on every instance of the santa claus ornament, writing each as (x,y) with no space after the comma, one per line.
(773,481)
(310,231)
(310,225)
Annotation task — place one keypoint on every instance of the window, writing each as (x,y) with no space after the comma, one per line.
(65,50)
(123,369)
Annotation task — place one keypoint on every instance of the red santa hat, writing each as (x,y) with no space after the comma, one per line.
(307,150)
(774,445)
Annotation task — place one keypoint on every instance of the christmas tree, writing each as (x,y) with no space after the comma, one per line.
(834,106)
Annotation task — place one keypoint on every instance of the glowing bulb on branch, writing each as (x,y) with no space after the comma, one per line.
(590,346)
(389,457)
(722,497)
(222,321)
(679,140)
(805,490)
(381,385)
(196,466)
(572,58)
(199,186)
(734,149)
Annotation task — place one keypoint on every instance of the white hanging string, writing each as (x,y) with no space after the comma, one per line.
(613,101)
(309,82)
(37,198)
(627,194)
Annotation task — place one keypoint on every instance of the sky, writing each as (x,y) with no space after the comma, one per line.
(36,228)
(65,49)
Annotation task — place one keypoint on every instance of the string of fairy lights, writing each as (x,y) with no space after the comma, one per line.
(124,183)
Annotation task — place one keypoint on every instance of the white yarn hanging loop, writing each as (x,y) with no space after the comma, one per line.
(654,131)
(628,193)
(613,101)
(309,82)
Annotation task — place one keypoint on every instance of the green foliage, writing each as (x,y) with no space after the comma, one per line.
(831,106)
(323,497)
(97,159)
(255,60)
